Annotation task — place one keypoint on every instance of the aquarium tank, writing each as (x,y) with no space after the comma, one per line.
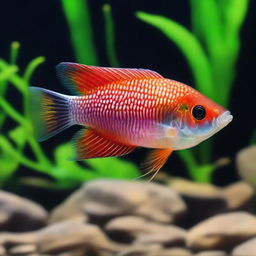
(202,200)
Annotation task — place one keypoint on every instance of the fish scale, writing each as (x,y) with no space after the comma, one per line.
(129,108)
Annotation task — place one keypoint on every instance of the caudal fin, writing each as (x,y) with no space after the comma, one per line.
(49,112)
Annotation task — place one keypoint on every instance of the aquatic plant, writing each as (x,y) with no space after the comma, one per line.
(110,36)
(62,172)
(78,18)
(211,50)
(79,21)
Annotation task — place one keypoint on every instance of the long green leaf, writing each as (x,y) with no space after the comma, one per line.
(110,35)
(113,168)
(78,18)
(190,47)
(67,169)
(234,13)
(207,16)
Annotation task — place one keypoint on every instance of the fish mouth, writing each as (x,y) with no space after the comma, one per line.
(220,122)
(224,119)
(205,131)
(191,136)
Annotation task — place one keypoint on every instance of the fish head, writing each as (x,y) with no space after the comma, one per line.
(196,118)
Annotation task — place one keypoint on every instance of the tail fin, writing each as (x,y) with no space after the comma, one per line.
(49,111)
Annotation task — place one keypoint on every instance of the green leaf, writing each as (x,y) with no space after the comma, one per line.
(15,79)
(100,167)
(18,135)
(30,69)
(112,167)
(234,13)
(67,169)
(204,173)
(8,164)
(189,46)
(207,19)
(7,167)
(8,72)
(77,15)
(110,35)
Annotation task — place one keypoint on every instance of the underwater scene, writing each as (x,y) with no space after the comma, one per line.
(128,128)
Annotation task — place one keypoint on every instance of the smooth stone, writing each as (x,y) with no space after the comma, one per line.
(72,235)
(71,208)
(212,253)
(2,251)
(206,200)
(142,231)
(154,250)
(23,249)
(175,251)
(247,248)
(222,232)
(18,214)
(141,250)
(246,164)
(105,199)
(239,196)
(69,253)
(202,200)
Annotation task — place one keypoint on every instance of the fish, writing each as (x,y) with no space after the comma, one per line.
(122,109)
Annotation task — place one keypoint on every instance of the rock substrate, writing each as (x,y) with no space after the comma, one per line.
(132,218)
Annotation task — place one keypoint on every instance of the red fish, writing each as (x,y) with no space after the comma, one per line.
(124,109)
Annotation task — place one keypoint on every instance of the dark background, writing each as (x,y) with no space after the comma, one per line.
(41,28)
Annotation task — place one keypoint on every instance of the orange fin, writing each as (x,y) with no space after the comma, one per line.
(82,78)
(91,144)
(155,160)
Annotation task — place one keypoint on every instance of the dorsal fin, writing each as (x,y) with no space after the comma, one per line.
(82,78)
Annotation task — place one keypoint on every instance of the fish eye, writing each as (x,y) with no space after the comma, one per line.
(199,112)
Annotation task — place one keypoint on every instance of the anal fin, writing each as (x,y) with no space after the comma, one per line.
(91,144)
(155,161)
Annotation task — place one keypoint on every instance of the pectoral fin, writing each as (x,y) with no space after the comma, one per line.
(155,160)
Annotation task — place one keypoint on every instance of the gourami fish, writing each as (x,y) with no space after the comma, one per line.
(124,109)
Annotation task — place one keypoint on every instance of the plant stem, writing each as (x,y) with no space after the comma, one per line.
(9,71)
(6,73)
(12,112)
(17,155)
(24,123)
(78,18)
(14,79)
(33,64)
(37,150)
(27,76)
(15,46)
(110,35)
